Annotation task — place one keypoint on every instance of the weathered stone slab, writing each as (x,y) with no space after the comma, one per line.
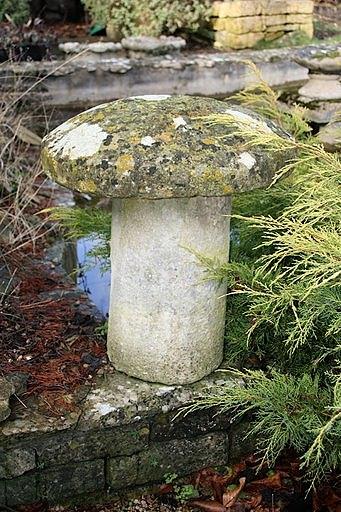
(324,61)
(321,88)
(120,400)
(330,136)
(62,482)
(81,84)
(323,112)
(21,490)
(77,446)
(153,45)
(16,462)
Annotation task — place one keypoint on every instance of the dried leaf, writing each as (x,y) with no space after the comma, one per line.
(27,136)
(208,506)
(273,482)
(230,497)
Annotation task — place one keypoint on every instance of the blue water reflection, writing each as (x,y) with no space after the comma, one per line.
(91,278)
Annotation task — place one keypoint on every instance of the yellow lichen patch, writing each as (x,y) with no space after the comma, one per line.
(87,186)
(125,163)
(208,141)
(165,137)
(134,139)
(227,189)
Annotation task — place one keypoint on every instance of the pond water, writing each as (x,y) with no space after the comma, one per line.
(91,278)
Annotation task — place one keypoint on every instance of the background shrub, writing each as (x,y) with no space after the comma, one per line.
(149,17)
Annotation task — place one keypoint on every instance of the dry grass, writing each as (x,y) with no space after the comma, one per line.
(20,174)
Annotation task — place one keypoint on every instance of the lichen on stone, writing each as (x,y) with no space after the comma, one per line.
(157,147)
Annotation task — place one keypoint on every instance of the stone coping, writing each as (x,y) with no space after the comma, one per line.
(115,399)
(178,61)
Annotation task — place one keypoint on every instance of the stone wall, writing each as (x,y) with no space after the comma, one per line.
(124,435)
(243,23)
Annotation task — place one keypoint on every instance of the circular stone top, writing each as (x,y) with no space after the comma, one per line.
(157,147)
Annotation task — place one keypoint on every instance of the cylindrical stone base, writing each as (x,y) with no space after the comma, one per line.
(166,318)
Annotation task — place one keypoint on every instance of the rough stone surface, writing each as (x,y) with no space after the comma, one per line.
(6,391)
(156,147)
(60,483)
(321,88)
(98,47)
(243,23)
(153,45)
(322,112)
(167,320)
(121,400)
(16,462)
(21,490)
(226,39)
(83,446)
(323,61)
(330,136)
(123,472)
(177,456)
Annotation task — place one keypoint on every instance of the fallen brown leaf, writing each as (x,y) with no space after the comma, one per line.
(208,506)
(230,497)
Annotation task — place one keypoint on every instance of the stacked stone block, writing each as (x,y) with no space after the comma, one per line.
(242,24)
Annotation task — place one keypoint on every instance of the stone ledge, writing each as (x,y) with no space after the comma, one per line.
(125,434)
(80,84)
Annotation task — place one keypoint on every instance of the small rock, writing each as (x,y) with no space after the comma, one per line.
(330,136)
(101,47)
(71,47)
(321,88)
(323,112)
(153,45)
(328,63)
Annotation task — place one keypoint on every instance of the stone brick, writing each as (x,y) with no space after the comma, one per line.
(21,490)
(300,6)
(241,443)
(16,462)
(287,6)
(239,25)
(182,457)
(81,446)
(173,426)
(122,472)
(225,40)
(275,19)
(62,482)
(236,8)
(299,18)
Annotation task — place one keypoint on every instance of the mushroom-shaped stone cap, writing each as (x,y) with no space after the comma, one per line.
(157,147)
